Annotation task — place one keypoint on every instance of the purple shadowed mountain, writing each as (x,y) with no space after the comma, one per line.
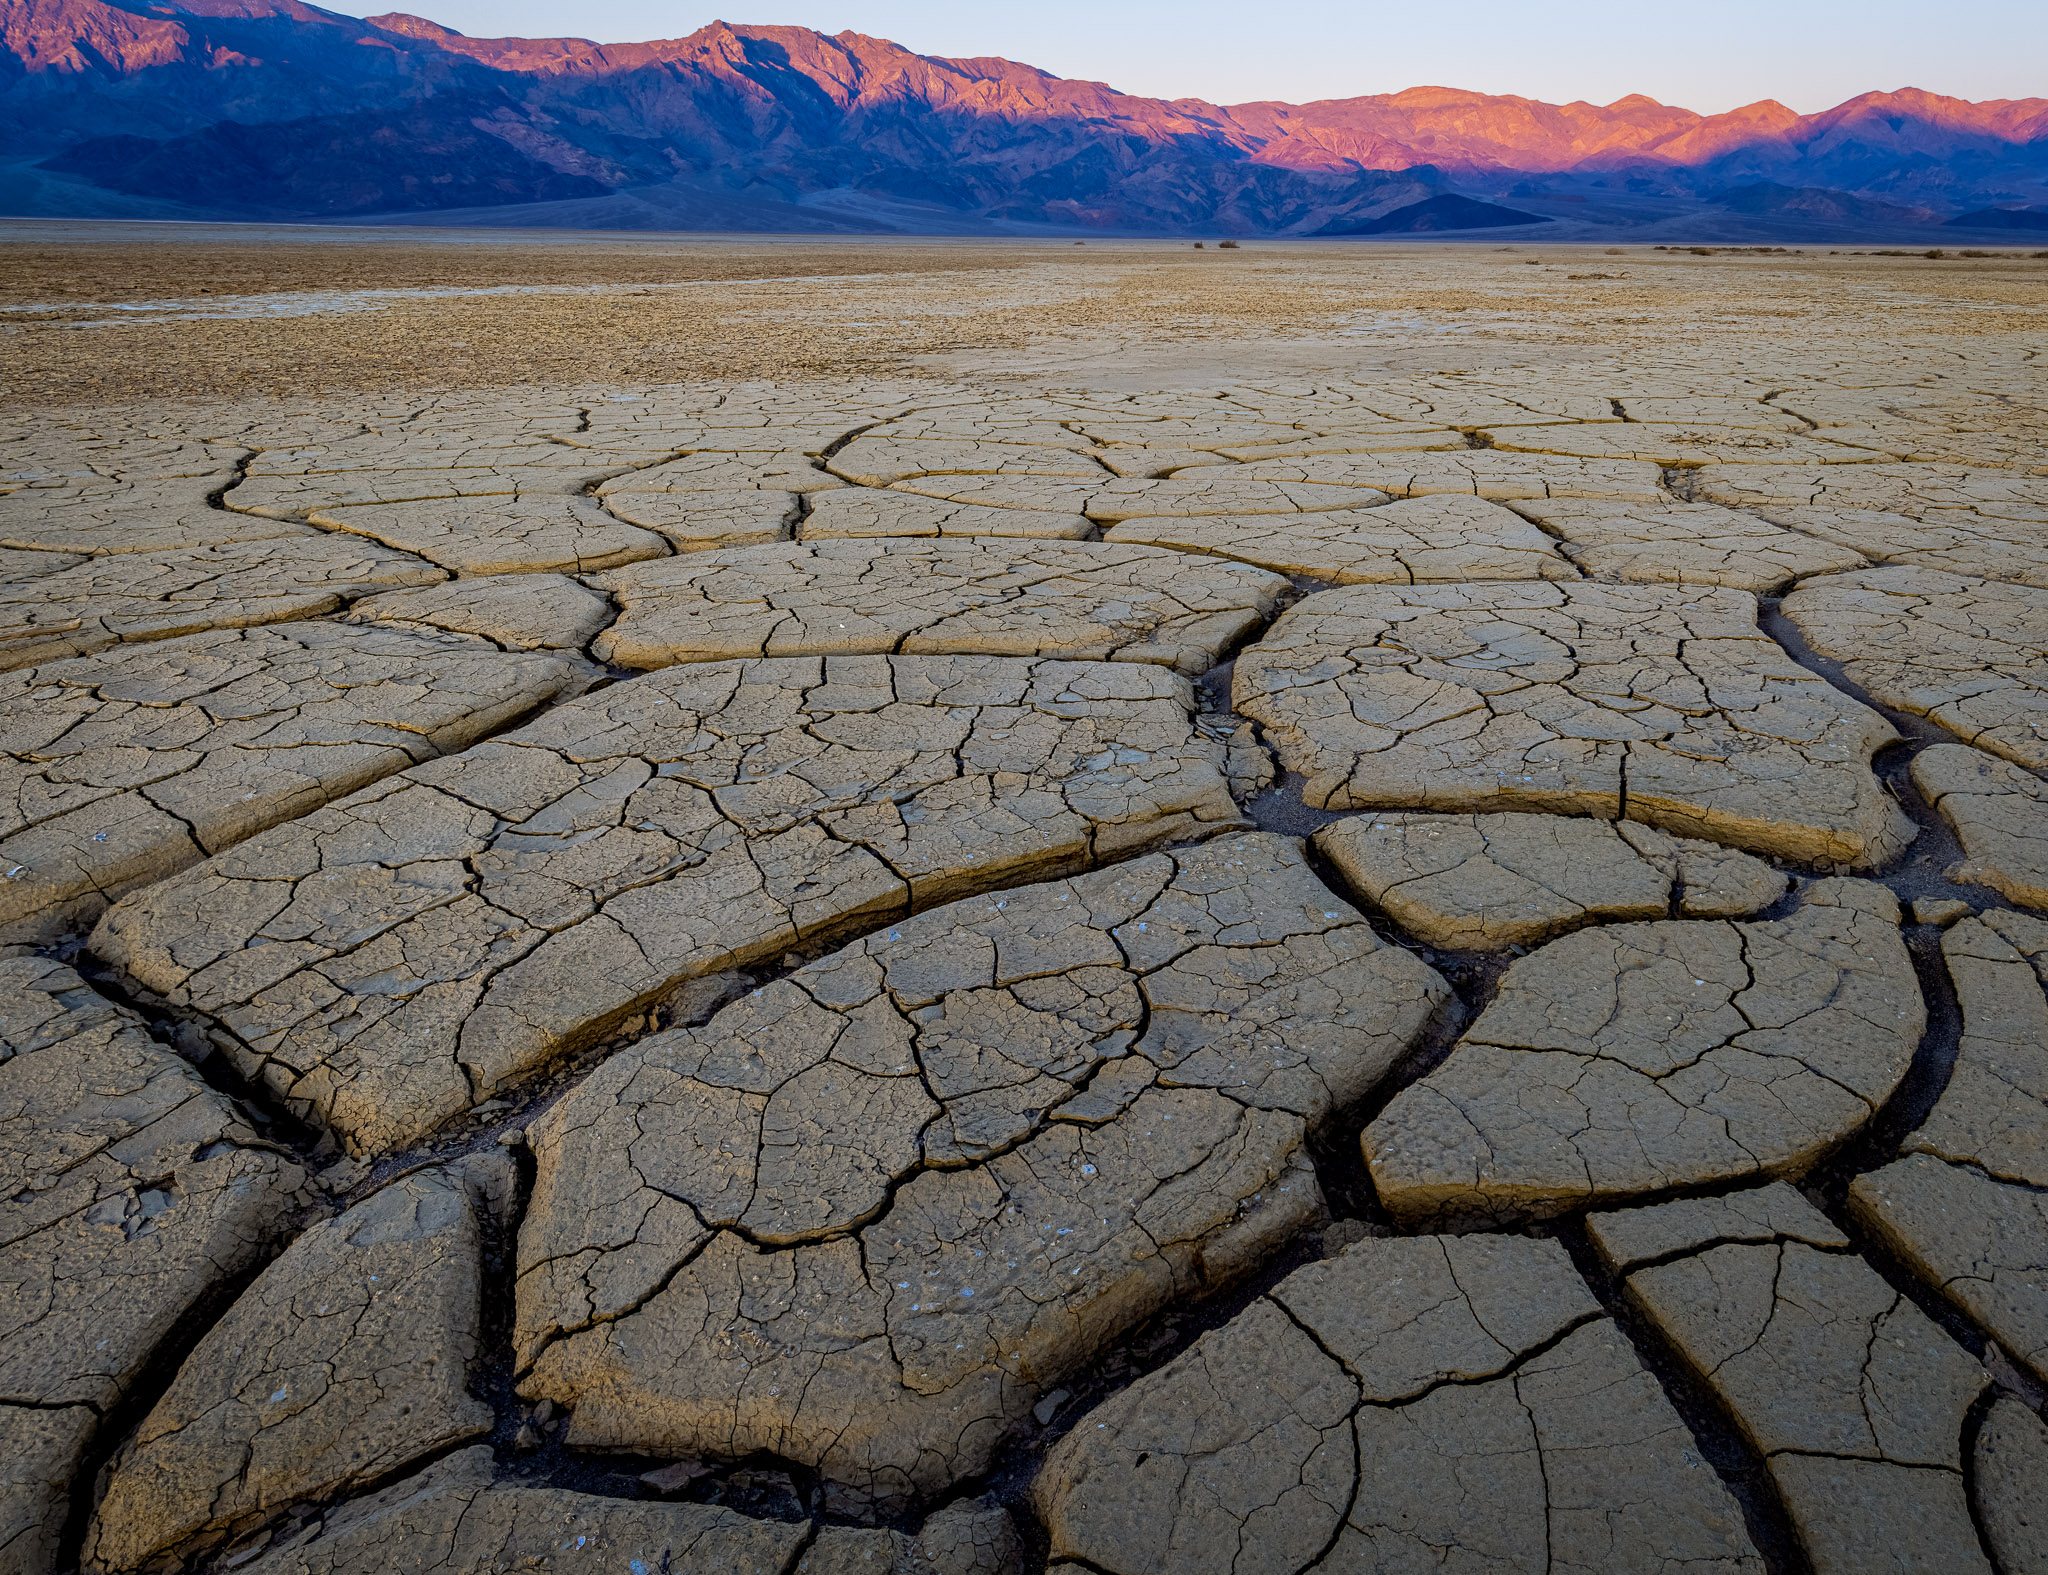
(276,109)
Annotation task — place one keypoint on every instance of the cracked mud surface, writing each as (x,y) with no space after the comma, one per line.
(1685,544)
(1013,1126)
(1855,1399)
(1965,653)
(1638,1058)
(1660,705)
(690,977)
(1410,542)
(1482,882)
(125,767)
(348,1358)
(385,963)
(134,1195)
(155,595)
(1370,1410)
(1085,600)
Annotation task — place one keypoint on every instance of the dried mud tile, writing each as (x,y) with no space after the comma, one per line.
(1982,1243)
(522,535)
(1492,1409)
(702,521)
(1919,491)
(1210,490)
(1963,1207)
(518,612)
(873,460)
(42,1450)
(1489,881)
(125,767)
(984,1143)
(1854,1398)
(2012,1485)
(131,1195)
(348,1359)
(1081,600)
(385,962)
(1636,1058)
(1993,1114)
(968,1537)
(1957,542)
(1680,444)
(1629,1238)
(158,595)
(23,564)
(1665,704)
(750,470)
(134,1194)
(1686,544)
(1998,812)
(453,1519)
(866,512)
(1969,654)
(1442,537)
(1500,477)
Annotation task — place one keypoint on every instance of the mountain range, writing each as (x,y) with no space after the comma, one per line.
(274,109)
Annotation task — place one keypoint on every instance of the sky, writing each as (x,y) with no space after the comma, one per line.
(1710,56)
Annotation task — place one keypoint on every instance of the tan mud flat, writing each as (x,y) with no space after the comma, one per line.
(866,1216)
(384,964)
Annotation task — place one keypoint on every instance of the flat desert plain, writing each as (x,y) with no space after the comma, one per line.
(728,904)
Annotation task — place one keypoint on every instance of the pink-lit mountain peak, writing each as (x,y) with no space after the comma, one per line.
(162,97)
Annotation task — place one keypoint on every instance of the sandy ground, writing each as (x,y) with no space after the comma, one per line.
(94,312)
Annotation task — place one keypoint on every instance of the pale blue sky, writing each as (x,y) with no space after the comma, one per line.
(1708,56)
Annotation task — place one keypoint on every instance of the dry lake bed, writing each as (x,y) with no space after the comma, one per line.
(719,904)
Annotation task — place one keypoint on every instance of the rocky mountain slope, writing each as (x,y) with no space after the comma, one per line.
(106,106)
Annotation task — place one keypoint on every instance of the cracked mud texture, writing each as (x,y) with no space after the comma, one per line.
(125,767)
(1499,477)
(701,521)
(1150,387)
(1685,544)
(1855,1399)
(1653,704)
(1966,1206)
(502,535)
(453,1519)
(1969,654)
(518,612)
(158,595)
(1482,882)
(1998,812)
(866,1215)
(130,497)
(1407,1397)
(1442,537)
(2012,1486)
(1627,1239)
(347,1359)
(384,963)
(1228,489)
(132,1195)
(860,512)
(1635,1058)
(1677,444)
(1958,543)
(1963,494)
(875,460)
(1085,601)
